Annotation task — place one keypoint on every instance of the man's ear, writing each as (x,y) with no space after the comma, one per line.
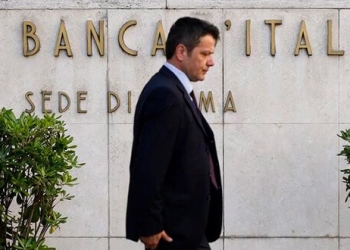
(180,52)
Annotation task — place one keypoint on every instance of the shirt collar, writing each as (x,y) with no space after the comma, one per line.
(181,76)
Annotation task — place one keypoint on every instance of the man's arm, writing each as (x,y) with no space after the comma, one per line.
(154,148)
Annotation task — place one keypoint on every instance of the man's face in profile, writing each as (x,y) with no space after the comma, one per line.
(197,62)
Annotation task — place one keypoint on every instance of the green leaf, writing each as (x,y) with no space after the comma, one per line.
(36,213)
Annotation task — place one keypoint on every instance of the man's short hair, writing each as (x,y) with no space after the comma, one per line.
(188,31)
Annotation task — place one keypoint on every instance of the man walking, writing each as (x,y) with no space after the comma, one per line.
(175,196)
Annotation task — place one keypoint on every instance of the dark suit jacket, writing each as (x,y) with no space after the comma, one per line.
(170,187)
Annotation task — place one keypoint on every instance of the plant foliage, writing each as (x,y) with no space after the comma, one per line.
(35,158)
(345,135)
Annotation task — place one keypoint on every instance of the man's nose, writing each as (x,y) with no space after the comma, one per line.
(210,62)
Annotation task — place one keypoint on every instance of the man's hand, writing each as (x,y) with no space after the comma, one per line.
(151,242)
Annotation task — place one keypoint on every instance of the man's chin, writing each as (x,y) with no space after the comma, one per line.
(196,79)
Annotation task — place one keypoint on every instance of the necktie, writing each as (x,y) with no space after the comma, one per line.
(212,173)
(194,100)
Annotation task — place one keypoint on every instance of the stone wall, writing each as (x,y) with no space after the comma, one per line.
(278,151)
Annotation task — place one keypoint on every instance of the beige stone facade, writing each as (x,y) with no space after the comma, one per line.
(278,151)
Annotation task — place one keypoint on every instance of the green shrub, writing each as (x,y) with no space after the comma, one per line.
(35,158)
(345,135)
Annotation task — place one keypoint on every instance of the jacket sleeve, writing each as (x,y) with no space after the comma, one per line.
(158,126)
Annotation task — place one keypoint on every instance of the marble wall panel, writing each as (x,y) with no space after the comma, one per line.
(282,244)
(87,212)
(78,243)
(44,71)
(120,142)
(344,73)
(130,73)
(283,88)
(281,180)
(258,4)
(344,244)
(85,4)
(177,4)
(217,245)
(122,243)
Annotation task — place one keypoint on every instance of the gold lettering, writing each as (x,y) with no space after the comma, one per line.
(303,35)
(63,37)
(129,101)
(81,96)
(29,30)
(160,35)
(60,109)
(228,24)
(121,42)
(32,106)
(116,97)
(45,96)
(230,101)
(206,101)
(99,39)
(330,50)
(248,47)
(273,24)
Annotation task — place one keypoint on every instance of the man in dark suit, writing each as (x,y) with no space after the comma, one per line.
(175,196)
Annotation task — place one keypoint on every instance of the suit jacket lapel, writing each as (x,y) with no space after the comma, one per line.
(186,96)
